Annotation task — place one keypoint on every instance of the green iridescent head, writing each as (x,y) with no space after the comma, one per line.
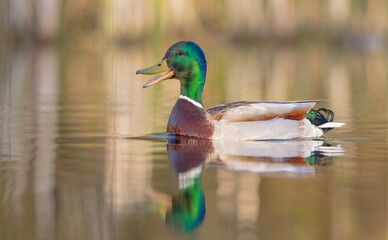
(184,61)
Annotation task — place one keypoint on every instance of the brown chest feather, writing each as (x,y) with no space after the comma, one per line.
(189,120)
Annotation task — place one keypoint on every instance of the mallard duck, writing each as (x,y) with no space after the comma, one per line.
(246,120)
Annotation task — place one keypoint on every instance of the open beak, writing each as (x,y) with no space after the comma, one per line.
(157,68)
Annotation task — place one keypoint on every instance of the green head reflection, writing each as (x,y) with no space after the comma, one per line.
(188,208)
(187,157)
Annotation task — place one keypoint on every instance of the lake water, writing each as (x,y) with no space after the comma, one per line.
(84,153)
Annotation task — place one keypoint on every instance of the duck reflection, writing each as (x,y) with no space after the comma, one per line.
(188,157)
(284,157)
(185,211)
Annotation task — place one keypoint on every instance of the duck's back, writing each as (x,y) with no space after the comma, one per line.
(263,120)
(260,111)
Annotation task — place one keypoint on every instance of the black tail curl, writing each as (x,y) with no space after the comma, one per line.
(320,116)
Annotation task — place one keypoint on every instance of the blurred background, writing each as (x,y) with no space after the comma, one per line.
(354,22)
(69,100)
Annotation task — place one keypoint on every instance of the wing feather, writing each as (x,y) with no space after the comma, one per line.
(260,111)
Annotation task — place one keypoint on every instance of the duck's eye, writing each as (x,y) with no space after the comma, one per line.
(181,52)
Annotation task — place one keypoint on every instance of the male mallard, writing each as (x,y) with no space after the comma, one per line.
(186,62)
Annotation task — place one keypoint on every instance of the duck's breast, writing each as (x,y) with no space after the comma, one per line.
(188,118)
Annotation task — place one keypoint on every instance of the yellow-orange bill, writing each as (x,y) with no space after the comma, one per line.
(158,79)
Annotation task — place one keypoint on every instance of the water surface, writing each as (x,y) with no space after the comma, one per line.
(84,155)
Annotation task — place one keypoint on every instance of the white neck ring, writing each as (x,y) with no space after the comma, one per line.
(191,101)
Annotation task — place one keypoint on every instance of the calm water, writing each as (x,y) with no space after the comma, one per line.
(84,155)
